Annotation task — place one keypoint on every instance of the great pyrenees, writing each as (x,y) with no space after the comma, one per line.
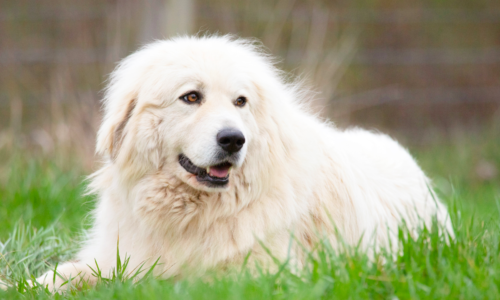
(209,154)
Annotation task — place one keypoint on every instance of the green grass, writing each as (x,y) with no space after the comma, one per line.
(40,192)
(43,211)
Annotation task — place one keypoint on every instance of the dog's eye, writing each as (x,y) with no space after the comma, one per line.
(241,101)
(191,97)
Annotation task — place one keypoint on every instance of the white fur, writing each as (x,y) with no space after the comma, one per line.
(295,173)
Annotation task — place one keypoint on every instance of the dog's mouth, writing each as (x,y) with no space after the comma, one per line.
(215,176)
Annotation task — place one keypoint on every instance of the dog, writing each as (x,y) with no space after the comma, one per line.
(210,153)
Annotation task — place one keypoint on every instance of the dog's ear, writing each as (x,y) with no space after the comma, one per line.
(119,131)
(114,128)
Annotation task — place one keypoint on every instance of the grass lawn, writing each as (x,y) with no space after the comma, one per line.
(43,212)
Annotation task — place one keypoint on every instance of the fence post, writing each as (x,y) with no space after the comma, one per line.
(180,17)
(166,18)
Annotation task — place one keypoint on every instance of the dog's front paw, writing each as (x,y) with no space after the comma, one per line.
(53,283)
(66,277)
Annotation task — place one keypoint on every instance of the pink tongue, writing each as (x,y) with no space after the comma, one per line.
(220,172)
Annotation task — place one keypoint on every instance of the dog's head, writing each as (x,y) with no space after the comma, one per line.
(191,106)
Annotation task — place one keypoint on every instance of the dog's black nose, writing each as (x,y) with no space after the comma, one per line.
(230,139)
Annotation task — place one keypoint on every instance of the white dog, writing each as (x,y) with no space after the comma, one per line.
(209,154)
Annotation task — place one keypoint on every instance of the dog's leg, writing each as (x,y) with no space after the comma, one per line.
(68,275)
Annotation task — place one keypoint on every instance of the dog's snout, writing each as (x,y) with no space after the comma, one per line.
(230,139)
